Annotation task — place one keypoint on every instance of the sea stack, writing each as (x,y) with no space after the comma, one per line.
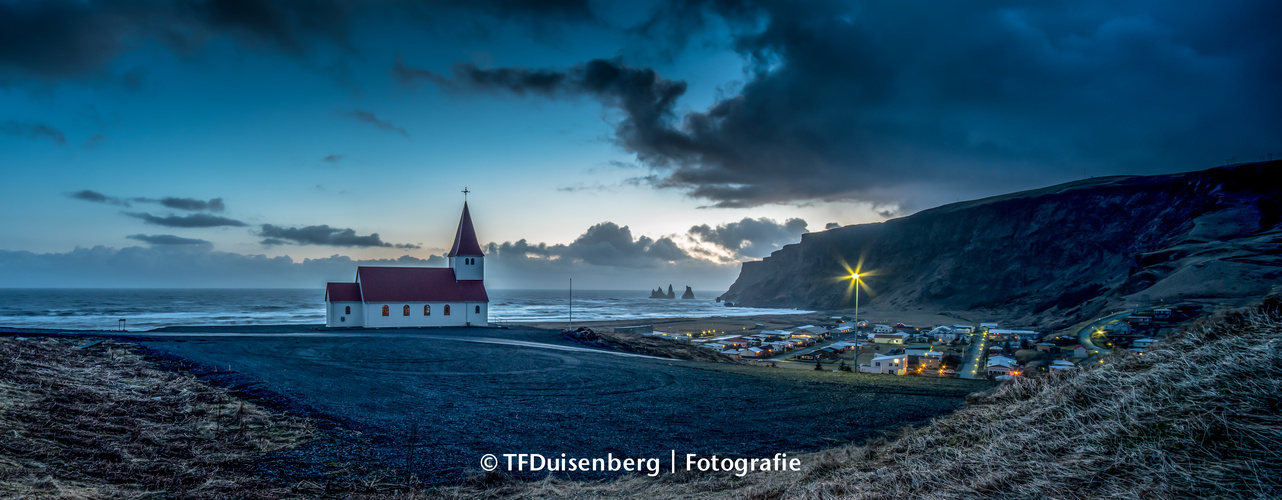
(689,293)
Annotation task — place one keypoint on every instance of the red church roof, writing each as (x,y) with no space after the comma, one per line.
(343,292)
(418,284)
(465,240)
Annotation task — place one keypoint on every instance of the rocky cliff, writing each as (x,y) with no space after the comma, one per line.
(1050,255)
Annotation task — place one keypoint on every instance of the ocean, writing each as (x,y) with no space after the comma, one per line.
(144,309)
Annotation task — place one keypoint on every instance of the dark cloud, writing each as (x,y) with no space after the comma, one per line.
(323,235)
(189,204)
(193,220)
(167,239)
(876,100)
(368,117)
(58,39)
(646,99)
(33,131)
(334,158)
(193,205)
(831,225)
(751,238)
(535,10)
(96,197)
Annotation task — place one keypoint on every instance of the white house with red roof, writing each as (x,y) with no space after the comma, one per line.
(400,297)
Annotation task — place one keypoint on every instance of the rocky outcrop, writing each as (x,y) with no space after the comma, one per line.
(1050,255)
(689,293)
(658,293)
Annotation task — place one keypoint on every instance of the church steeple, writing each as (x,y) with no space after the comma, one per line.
(465,239)
(466,258)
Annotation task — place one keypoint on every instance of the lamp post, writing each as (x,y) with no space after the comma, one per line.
(855,276)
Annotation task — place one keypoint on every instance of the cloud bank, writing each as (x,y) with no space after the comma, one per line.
(751,238)
(323,235)
(193,220)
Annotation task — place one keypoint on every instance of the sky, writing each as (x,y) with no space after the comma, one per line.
(247,143)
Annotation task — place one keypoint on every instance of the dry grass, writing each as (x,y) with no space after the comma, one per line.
(103,423)
(1195,417)
(663,347)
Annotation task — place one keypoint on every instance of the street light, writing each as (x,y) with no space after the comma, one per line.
(855,276)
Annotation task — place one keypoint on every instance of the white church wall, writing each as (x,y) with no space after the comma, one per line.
(336,315)
(461,313)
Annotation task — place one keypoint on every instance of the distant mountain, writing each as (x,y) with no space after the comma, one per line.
(1047,256)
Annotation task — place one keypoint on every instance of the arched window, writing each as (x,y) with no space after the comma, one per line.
(427,310)
(447,309)
(478,309)
(406,311)
(386,311)
(348,310)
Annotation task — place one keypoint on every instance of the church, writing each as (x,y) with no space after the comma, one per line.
(400,297)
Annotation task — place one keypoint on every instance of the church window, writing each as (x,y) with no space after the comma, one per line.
(386,311)
(406,310)
(348,310)
(478,309)
(427,309)
(447,309)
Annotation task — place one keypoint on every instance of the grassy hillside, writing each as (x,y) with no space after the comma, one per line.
(103,422)
(1197,416)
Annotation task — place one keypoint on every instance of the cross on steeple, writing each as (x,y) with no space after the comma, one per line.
(465,191)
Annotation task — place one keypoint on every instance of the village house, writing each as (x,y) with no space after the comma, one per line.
(886,364)
(890,338)
(882,329)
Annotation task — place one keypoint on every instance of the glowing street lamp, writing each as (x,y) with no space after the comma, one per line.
(855,276)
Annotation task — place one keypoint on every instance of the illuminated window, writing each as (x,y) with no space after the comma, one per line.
(386,311)
(478,309)
(406,311)
(348,310)
(447,309)
(427,310)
